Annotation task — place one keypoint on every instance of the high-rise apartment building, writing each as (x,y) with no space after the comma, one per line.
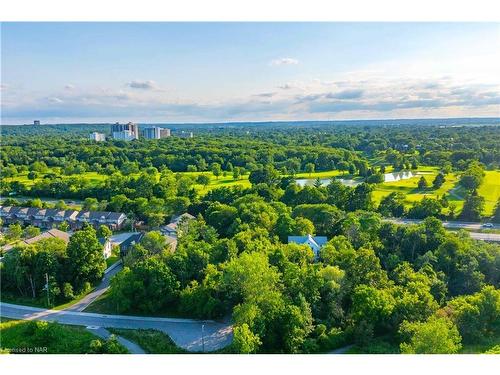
(164,132)
(125,132)
(155,132)
(152,132)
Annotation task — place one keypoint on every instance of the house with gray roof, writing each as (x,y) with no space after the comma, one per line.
(50,217)
(172,228)
(53,233)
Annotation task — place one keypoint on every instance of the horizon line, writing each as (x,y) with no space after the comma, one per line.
(258,122)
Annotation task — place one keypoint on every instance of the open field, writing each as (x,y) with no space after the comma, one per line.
(489,189)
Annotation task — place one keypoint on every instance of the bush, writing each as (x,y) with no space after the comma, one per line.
(109,346)
(68,291)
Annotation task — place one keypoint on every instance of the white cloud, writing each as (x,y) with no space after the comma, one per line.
(55,100)
(143,85)
(352,96)
(284,61)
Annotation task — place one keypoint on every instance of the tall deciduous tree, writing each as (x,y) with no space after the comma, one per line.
(85,257)
(434,336)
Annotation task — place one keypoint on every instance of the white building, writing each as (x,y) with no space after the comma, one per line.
(98,137)
(124,135)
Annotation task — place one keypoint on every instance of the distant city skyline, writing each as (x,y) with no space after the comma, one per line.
(223,72)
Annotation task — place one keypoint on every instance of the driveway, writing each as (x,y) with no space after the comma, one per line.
(99,290)
(192,335)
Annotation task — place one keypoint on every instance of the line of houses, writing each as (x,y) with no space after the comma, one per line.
(49,217)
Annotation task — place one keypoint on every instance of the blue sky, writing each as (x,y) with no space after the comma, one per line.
(197,72)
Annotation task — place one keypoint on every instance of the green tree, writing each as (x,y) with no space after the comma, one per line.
(104,232)
(216,170)
(473,177)
(15,232)
(236,173)
(31,231)
(264,175)
(86,262)
(244,340)
(392,205)
(422,183)
(203,179)
(90,204)
(438,181)
(64,226)
(477,316)
(32,175)
(373,306)
(310,167)
(434,336)
(473,207)
(154,242)
(149,286)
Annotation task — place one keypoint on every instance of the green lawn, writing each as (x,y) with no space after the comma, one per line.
(489,189)
(38,337)
(40,301)
(115,256)
(152,341)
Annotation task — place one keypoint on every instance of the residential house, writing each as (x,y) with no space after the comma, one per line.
(172,228)
(49,218)
(107,247)
(126,244)
(314,242)
(53,233)
(172,243)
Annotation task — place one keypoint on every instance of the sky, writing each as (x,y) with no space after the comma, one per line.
(222,72)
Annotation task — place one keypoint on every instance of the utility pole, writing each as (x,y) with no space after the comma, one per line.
(47,286)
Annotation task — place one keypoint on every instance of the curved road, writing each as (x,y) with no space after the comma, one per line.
(192,335)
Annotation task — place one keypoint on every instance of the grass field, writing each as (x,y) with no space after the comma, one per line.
(35,337)
(489,189)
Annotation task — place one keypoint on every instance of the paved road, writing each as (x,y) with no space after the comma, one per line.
(186,333)
(490,237)
(103,333)
(98,291)
(448,224)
